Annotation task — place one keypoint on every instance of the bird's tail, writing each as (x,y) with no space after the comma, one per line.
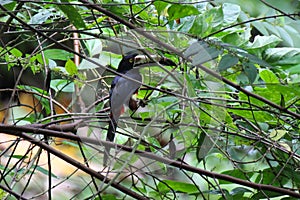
(109,137)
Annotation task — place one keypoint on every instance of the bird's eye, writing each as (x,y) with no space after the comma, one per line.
(131,60)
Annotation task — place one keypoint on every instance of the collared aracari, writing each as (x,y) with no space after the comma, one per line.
(121,92)
(122,89)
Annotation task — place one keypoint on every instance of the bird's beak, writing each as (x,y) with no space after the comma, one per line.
(153,60)
(142,59)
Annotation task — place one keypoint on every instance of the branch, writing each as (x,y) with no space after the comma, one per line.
(12,192)
(277,9)
(18,131)
(179,53)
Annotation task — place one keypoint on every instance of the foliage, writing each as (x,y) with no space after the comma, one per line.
(221,124)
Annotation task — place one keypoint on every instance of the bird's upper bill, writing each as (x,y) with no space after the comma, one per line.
(143,59)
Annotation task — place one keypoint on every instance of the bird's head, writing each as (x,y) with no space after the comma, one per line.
(127,63)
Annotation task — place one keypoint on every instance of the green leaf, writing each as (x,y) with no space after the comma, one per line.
(72,15)
(250,71)
(177,11)
(239,191)
(292,60)
(94,46)
(264,41)
(202,52)
(116,8)
(259,116)
(204,145)
(270,176)
(294,70)
(273,55)
(71,67)
(268,76)
(45,171)
(8,4)
(167,185)
(261,27)
(265,194)
(277,134)
(253,59)
(40,17)
(227,61)
(38,58)
(62,85)
(58,54)
(98,21)
(16,52)
(189,85)
(274,93)
(289,198)
(85,64)
(19,156)
(231,12)
(286,37)
(195,25)
(237,174)
(108,197)
(214,18)
(237,37)
(160,6)
(153,141)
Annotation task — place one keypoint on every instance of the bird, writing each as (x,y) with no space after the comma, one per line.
(121,92)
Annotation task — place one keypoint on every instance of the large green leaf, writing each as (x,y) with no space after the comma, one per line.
(261,43)
(41,16)
(167,185)
(250,71)
(94,46)
(231,12)
(160,6)
(270,176)
(71,68)
(176,11)
(268,76)
(243,54)
(72,14)
(62,85)
(264,41)
(265,194)
(294,70)
(202,52)
(257,116)
(8,4)
(237,174)
(227,61)
(275,55)
(58,54)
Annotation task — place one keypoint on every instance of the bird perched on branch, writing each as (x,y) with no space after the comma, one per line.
(121,91)
(123,87)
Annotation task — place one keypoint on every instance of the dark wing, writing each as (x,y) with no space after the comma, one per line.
(123,90)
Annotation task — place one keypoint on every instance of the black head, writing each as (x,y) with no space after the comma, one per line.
(126,63)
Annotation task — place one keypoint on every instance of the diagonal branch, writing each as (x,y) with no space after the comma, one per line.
(70,160)
(18,131)
(179,53)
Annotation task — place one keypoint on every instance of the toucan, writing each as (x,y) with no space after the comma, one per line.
(123,87)
(121,92)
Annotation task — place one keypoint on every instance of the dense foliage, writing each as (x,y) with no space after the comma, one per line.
(222,124)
